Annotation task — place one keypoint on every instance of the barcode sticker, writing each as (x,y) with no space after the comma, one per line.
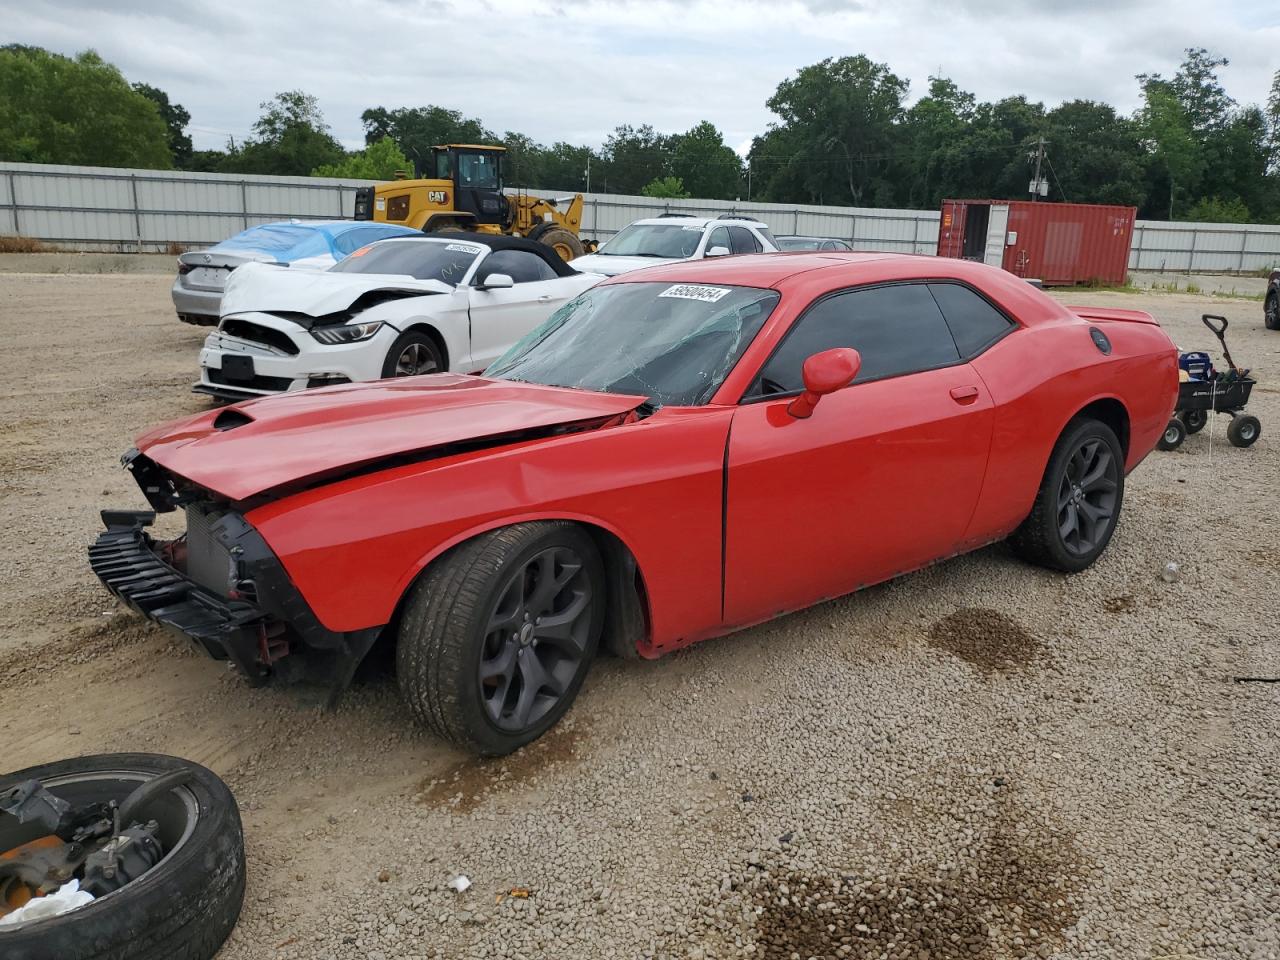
(692,291)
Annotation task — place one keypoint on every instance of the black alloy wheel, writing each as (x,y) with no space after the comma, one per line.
(1087,497)
(536,639)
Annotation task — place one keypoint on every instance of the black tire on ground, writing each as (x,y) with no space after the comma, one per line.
(1088,458)
(454,633)
(414,353)
(1271,312)
(1175,432)
(1243,430)
(183,908)
(1194,420)
(563,242)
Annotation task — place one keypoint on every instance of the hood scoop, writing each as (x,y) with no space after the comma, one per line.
(231,418)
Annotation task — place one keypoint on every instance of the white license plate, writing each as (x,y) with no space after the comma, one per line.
(209,276)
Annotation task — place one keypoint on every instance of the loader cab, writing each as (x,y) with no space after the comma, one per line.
(476,174)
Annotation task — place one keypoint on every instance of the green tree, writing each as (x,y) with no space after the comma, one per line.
(56,109)
(1095,154)
(842,115)
(175,118)
(632,157)
(667,188)
(1175,158)
(564,167)
(1217,210)
(417,129)
(291,139)
(707,166)
(378,161)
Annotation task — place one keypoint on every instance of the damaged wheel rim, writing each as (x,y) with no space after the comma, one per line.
(35,862)
(536,639)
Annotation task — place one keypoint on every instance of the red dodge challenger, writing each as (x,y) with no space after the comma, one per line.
(676,454)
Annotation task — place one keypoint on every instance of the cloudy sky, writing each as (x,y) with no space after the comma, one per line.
(574,69)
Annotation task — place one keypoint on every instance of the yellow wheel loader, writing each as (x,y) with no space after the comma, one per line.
(465,193)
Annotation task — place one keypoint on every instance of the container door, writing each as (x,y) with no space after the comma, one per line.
(951,229)
(996,228)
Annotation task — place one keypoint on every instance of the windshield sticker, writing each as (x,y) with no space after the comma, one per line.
(694,229)
(462,248)
(362,251)
(692,291)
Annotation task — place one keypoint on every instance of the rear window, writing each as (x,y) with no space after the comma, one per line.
(974,322)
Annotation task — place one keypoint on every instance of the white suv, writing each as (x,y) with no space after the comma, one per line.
(672,237)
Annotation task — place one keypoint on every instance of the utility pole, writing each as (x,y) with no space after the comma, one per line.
(588,169)
(748,179)
(1037,185)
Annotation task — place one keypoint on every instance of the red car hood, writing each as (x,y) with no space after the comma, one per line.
(259,445)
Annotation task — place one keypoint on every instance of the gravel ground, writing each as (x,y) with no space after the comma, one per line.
(981,760)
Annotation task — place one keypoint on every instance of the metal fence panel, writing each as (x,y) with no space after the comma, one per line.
(122,209)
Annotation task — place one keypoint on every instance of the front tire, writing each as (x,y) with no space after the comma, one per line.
(1078,504)
(413,354)
(498,635)
(1195,420)
(1271,312)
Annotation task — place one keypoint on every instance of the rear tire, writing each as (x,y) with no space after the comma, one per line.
(413,354)
(498,635)
(183,908)
(1175,431)
(1271,312)
(1078,504)
(1194,420)
(1244,430)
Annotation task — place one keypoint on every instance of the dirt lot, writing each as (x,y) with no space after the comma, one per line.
(981,760)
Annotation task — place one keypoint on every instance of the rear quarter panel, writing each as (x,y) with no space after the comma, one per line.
(353,548)
(1041,377)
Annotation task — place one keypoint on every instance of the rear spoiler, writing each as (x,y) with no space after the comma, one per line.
(1109,313)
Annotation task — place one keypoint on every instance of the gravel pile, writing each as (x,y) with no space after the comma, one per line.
(980,760)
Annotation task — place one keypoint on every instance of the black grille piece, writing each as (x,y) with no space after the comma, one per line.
(254,383)
(256,333)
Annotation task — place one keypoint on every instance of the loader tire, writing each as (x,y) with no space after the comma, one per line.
(564,242)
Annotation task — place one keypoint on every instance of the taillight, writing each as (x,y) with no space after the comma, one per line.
(184,268)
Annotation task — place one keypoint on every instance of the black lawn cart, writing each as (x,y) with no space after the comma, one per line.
(1208,390)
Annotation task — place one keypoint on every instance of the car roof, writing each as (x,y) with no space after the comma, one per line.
(777,269)
(805,236)
(680,220)
(749,270)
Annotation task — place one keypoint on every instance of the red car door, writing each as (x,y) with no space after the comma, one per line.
(882,478)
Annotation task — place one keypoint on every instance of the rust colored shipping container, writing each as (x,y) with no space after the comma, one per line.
(1056,243)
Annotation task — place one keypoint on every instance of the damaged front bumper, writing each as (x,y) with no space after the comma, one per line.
(227,593)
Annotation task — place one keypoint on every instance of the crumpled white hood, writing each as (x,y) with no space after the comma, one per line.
(611,266)
(257,287)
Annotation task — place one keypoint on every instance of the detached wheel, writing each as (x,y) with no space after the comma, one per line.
(182,908)
(1271,312)
(1194,420)
(1175,432)
(1244,430)
(1078,504)
(413,354)
(564,242)
(497,637)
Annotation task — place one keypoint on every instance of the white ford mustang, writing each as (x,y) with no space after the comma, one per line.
(396,308)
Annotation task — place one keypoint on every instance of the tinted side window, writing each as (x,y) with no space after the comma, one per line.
(897,329)
(719,238)
(519,265)
(743,240)
(974,323)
